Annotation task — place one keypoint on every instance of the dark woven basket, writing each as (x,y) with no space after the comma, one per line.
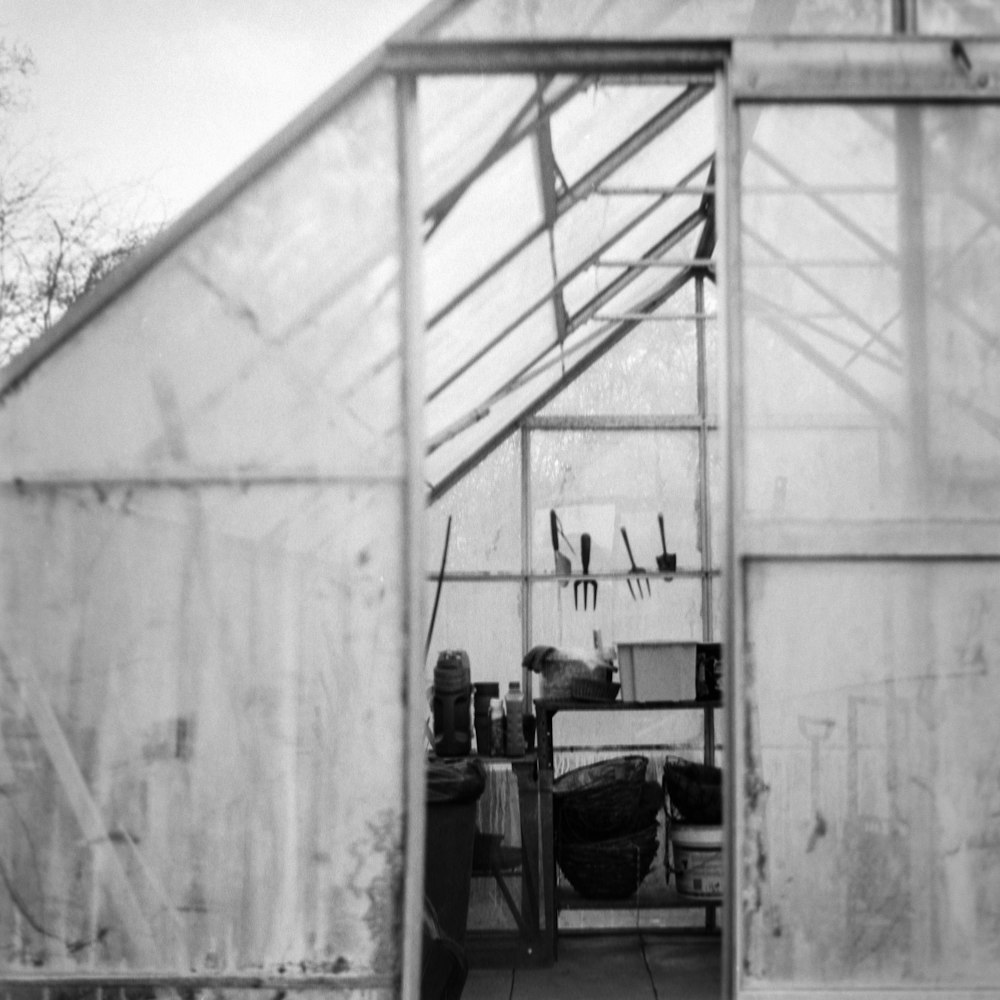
(693,792)
(609,869)
(587,689)
(599,800)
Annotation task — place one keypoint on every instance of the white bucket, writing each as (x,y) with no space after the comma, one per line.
(697,863)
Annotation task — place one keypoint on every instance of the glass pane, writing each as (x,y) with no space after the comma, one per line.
(601,482)
(499,210)
(668,610)
(653,371)
(872,370)
(873,749)
(592,125)
(189,688)
(462,120)
(272,328)
(958,17)
(484,619)
(485,508)
(666,19)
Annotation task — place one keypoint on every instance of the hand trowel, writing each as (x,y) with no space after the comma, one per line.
(564,568)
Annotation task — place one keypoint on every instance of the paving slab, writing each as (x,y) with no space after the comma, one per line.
(589,968)
(612,966)
(685,968)
(488,984)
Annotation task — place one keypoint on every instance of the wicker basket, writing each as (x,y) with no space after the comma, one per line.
(693,792)
(609,869)
(599,800)
(586,689)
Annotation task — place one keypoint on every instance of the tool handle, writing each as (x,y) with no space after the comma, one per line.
(554,525)
(585,552)
(663,537)
(628,548)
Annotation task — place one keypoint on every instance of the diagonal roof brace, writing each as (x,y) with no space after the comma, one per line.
(583,188)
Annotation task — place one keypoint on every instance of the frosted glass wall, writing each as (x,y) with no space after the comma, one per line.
(201,596)
(871,545)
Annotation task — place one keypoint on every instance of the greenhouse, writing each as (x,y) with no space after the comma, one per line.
(554,335)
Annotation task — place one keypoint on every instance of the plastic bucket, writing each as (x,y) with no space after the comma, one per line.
(697,866)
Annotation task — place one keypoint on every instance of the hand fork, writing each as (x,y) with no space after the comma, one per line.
(585,579)
(635,571)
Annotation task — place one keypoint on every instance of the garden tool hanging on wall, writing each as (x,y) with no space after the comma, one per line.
(564,568)
(666,563)
(585,579)
(635,571)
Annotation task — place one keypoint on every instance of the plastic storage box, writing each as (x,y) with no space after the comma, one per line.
(657,671)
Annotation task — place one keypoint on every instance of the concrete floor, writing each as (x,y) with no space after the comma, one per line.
(630,966)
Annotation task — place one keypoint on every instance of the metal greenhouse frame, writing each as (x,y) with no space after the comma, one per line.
(219,473)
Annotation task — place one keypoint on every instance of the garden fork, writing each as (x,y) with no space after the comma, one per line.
(635,571)
(587,580)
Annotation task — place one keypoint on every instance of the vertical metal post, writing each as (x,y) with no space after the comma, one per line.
(727,162)
(526,540)
(704,521)
(904,17)
(913,285)
(411,325)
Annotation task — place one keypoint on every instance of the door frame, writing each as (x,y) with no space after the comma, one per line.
(776,72)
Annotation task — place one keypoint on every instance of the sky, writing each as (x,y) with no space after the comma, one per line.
(153,102)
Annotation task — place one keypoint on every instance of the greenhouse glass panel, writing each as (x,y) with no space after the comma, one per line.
(202,549)
(479,323)
(652,371)
(466,122)
(624,246)
(958,17)
(179,696)
(501,209)
(668,19)
(283,303)
(870,292)
(873,746)
(600,482)
(668,610)
(485,508)
(600,119)
(484,619)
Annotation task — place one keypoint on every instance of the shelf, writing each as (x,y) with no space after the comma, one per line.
(553,705)
(649,897)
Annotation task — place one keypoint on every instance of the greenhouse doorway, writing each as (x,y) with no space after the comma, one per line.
(573,386)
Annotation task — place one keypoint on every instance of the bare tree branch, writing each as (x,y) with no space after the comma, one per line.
(53,249)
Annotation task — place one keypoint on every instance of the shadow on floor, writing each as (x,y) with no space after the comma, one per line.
(633,966)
